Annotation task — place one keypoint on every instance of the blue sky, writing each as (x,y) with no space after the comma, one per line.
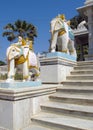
(37,12)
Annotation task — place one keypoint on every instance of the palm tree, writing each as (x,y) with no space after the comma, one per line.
(20,28)
(2,63)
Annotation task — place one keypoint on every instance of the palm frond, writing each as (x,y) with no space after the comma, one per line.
(20,28)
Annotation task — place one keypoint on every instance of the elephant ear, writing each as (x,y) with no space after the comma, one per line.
(11,54)
(56,24)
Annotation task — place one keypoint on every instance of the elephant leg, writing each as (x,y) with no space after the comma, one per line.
(11,71)
(54,42)
(35,74)
(71,47)
(63,43)
(25,71)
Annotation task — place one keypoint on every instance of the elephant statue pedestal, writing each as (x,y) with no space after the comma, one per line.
(20,84)
(18,103)
(56,66)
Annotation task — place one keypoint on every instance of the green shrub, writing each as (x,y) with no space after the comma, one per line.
(3,76)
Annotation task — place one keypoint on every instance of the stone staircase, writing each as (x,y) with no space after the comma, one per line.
(71,107)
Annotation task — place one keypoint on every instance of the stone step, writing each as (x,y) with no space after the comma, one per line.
(81,111)
(36,127)
(72,98)
(74,89)
(80,77)
(87,67)
(78,82)
(71,107)
(59,122)
(82,72)
(82,63)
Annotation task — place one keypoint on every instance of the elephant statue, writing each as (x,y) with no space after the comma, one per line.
(24,56)
(62,37)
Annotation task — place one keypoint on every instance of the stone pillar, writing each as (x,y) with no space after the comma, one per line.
(88,10)
(82,53)
(90,26)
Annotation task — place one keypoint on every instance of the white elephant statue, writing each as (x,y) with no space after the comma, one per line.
(28,59)
(62,36)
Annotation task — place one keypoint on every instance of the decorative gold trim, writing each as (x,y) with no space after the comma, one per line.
(23,42)
(61,33)
(30,67)
(37,74)
(30,45)
(25,77)
(71,50)
(64,51)
(20,60)
(62,16)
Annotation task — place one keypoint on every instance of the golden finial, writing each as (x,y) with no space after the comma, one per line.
(31,45)
(23,42)
(62,16)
